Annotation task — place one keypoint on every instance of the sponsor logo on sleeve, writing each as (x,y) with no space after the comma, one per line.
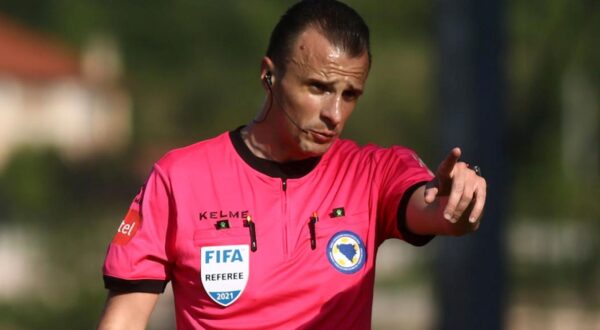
(128,227)
(224,272)
(346,252)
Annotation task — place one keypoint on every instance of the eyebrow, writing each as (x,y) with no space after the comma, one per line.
(329,84)
(355,89)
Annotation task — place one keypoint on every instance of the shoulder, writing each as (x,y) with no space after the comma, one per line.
(194,155)
(344,149)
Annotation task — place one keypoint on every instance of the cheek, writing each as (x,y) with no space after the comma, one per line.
(306,106)
(312,101)
(347,110)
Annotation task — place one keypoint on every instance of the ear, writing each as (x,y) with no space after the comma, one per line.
(267,66)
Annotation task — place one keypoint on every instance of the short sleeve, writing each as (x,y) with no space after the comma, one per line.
(137,258)
(402,173)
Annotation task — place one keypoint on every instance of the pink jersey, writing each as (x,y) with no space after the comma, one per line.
(248,247)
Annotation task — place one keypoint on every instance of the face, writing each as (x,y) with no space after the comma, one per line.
(316,94)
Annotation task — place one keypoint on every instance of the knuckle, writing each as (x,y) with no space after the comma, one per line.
(468,191)
(458,210)
(483,183)
(462,206)
(466,200)
(458,185)
(452,204)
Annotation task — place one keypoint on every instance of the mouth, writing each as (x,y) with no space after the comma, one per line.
(323,136)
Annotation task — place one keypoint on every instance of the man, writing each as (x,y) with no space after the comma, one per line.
(276,224)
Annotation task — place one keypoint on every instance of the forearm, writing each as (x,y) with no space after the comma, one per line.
(127,310)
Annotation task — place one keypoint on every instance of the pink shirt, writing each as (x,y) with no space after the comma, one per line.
(316,236)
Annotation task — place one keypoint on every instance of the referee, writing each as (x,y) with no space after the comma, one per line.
(276,224)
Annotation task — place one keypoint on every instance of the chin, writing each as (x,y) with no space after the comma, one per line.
(311,149)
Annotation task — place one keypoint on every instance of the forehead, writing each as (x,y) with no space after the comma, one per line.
(313,54)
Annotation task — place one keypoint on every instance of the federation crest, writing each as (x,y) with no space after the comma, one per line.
(346,252)
(224,272)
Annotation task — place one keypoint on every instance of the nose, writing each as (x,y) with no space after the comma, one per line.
(331,113)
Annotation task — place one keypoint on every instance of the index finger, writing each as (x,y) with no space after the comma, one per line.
(447,165)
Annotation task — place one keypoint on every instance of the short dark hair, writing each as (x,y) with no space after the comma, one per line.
(339,23)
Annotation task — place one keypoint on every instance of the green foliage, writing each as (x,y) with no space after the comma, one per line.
(547,40)
(37,315)
(32,185)
(38,186)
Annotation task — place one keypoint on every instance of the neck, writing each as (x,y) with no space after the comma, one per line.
(262,140)
(287,170)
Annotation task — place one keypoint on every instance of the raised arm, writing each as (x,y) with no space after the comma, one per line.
(451,204)
(129,310)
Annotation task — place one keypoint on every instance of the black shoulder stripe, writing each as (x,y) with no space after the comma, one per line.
(407,235)
(121,285)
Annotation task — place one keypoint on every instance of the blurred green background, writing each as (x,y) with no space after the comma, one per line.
(189,70)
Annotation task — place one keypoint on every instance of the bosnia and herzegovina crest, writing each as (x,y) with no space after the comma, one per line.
(224,272)
(346,252)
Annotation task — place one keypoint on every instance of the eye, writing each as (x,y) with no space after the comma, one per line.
(351,95)
(317,87)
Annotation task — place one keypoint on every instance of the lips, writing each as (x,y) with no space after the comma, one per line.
(322,137)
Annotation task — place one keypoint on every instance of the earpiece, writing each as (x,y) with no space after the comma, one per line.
(268,79)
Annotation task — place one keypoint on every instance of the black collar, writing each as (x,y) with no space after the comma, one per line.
(292,170)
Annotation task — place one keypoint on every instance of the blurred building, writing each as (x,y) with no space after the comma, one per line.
(55,98)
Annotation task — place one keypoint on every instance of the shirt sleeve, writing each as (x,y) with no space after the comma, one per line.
(137,258)
(402,173)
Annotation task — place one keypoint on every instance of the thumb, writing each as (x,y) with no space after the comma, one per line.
(431,190)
